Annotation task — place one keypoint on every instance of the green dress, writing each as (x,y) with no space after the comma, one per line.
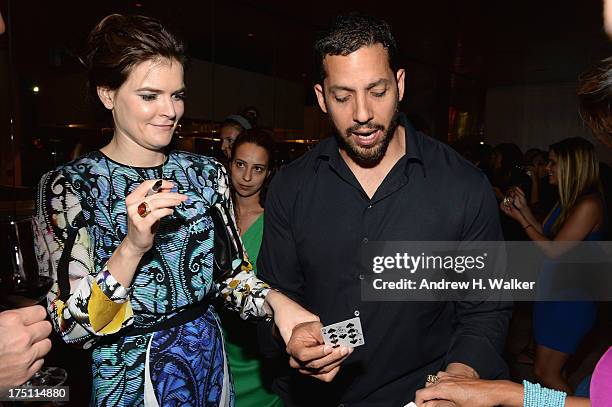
(251,379)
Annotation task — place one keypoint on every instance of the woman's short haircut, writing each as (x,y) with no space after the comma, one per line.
(120,42)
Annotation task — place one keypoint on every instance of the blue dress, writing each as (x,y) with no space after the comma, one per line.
(179,365)
(561,325)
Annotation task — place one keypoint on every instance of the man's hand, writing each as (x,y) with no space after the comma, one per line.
(309,354)
(301,331)
(23,344)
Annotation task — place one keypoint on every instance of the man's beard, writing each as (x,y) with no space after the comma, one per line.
(370,156)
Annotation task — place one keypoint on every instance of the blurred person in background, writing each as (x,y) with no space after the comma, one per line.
(543,195)
(233,126)
(578,215)
(508,172)
(23,336)
(484,158)
(481,155)
(595,97)
(252,115)
(508,169)
(250,173)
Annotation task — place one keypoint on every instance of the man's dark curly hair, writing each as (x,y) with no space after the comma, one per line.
(348,33)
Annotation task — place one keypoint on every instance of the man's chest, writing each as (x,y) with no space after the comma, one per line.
(334,222)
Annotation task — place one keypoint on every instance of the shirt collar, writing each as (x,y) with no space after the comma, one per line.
(414,143)
(329,148)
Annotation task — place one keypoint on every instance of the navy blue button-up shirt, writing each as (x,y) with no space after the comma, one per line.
(317,218)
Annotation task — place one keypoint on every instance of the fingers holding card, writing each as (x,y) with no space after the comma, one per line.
(348,333)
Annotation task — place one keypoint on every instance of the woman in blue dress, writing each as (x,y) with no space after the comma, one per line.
(579,215)
(133,237)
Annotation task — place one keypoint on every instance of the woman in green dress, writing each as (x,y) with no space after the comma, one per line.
(251,170)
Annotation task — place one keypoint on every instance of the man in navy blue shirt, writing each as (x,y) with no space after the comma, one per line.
(376,180)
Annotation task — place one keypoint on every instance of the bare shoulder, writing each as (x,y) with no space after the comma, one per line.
(589,204)
(589,208)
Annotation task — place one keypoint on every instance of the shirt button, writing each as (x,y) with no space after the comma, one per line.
(356,313)
(365,240)
(340,405)
(361,276)
(369,206)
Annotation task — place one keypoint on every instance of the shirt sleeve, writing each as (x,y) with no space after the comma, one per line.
(243,291)
(482,327)
(97,304)
(278,261)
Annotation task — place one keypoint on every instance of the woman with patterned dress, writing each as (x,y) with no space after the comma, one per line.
(251,166)
(560,326)
(133,236)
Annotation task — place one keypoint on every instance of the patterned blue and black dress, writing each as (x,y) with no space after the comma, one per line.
(183,364)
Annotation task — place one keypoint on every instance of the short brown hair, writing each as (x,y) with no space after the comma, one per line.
(120,42)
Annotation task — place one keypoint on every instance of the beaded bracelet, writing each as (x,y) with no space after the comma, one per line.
(538,396)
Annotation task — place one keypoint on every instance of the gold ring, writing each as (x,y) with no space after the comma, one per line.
(432,379)
(144,209)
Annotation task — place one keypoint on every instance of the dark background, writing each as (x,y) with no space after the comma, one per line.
(454,53)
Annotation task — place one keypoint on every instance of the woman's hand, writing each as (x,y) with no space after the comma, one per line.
(507,207)
(288,313)
(467,392)
(141,229)
(519,200)
(515,205)
(532,173)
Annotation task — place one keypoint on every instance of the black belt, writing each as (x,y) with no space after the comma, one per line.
(188,314)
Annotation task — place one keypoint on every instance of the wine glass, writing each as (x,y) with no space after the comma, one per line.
(21,284)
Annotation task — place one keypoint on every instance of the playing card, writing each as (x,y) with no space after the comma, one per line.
(411,404)
(346,333)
